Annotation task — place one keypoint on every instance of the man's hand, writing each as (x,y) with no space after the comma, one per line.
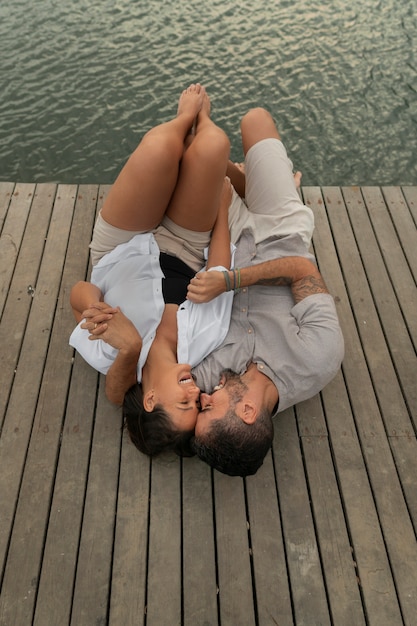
(205,286)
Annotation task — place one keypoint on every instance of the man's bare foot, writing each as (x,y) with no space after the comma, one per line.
(191,101)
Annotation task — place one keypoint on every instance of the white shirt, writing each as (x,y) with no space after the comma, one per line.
(130,277)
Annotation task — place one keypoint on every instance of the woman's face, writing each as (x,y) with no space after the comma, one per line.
(177,392)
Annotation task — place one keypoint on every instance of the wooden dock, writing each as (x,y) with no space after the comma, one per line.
(94,533)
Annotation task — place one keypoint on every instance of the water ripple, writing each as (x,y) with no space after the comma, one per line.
(82,81)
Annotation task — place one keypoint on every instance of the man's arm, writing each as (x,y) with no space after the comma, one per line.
(298,273)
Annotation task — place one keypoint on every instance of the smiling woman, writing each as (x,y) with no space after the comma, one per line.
(169,202)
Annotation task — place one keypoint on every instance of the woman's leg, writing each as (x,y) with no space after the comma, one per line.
(142,191)
(196,198)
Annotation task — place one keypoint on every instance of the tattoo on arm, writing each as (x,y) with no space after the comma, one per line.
(306,286)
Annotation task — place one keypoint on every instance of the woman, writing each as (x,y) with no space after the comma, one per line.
(156,222)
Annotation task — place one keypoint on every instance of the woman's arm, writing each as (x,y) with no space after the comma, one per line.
(83,294)
(219,250)
(120,333)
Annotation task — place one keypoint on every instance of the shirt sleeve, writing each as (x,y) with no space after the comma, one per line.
(202,327)
(98,354)
(315,353)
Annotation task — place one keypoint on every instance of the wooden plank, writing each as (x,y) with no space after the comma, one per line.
(410,194)
(57,575)
(164,569)
(358,501)
(334,543)
(19,298)
(384,479)
(358,232)
(270,576)
(199,562)
(404,224)
(26,546)
(12,235)
(6,192)
(303,561)
(405,453)
(232,547)
(128,583)
(93,577)
(399,271)
(61,544)
(21,408)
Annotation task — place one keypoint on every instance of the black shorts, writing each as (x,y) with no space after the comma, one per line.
(177,276)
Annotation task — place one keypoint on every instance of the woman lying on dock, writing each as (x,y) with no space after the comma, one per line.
(168,200)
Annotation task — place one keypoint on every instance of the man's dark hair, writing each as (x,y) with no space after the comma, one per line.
(233,447)
(153,432)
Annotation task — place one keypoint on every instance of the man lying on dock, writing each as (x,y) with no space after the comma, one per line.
(284,342)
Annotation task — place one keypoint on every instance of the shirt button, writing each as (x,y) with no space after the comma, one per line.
(261,367)
(243,310)
(244,290)
(250,331)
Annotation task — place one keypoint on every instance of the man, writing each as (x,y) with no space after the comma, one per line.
(284,342)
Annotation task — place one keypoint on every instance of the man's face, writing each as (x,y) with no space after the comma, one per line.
(223,397)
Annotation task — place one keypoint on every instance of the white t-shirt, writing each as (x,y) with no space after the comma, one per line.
(130,277)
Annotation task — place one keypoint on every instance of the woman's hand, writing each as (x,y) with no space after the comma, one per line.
(112,326)
(205,286)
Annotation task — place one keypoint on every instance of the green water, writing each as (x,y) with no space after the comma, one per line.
(82,80)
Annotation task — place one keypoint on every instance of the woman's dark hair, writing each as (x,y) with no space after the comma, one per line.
(153,432)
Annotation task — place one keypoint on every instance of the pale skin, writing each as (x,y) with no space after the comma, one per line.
(184,178)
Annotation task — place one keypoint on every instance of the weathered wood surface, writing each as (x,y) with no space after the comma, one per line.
(92,532)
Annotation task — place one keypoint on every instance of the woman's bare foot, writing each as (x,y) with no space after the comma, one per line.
(190,102)
(203,115)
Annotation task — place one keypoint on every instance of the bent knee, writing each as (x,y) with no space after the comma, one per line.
(256,125)
(257,115)
(215,144)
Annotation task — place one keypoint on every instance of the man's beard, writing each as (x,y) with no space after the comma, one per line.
(234,385)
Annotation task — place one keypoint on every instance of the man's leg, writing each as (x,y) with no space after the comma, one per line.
(271,187)
(196,198)
(141,193)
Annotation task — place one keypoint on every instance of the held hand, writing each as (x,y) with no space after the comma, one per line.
(205,286)
(117,330)
(97,313)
